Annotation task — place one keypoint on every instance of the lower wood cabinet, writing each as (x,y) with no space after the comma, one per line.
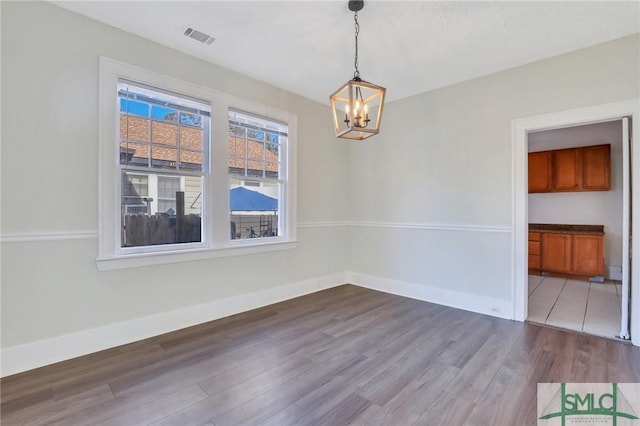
(567,253)
(556,252)
(534,250)
(587,255)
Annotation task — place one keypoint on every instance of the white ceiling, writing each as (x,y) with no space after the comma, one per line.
(409,47)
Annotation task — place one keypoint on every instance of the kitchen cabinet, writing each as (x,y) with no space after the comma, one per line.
(571,170)
(596,168)
(540,171)
(534,250)
(556,252)
(566,170)
(587,256)
(567,250)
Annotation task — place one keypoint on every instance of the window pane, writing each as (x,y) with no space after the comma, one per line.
(149,211)
(256,150)
(134,128)
(254,209)
(257,155)
(163,158)
(237,131)
(190,119)
(255,134)
(190,160)
(134,154)
(272,137)
(236,146)
(191,138)
(164,133)
(163,113)
(134,108)
(177,129)
(273,150)
(237,155)
(255,168)
(272,170)
(237,165)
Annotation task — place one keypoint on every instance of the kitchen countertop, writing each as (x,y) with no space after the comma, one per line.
(566,228)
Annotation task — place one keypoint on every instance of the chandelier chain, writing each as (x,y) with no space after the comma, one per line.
(356,73)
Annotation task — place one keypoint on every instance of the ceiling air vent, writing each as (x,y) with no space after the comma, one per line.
(197,35)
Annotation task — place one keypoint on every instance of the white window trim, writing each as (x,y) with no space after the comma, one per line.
(215,213)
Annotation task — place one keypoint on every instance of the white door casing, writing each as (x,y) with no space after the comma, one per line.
(520,128)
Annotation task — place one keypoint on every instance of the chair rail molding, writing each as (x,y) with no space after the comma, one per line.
(25,237)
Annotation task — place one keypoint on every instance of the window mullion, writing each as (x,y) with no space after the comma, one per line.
(149,144)
(246,152)
(178,144)
(264,158)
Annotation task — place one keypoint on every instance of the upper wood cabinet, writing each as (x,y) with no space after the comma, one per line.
(575,169)
(540,171)
(566,173)
(596,168)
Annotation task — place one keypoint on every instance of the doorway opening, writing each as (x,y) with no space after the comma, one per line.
(579,228)
(627,114)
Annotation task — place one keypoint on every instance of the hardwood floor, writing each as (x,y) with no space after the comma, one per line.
(347,355)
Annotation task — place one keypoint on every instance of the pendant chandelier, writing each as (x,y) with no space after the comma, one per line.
(357,105)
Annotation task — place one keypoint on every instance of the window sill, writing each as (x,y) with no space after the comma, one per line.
(163,258)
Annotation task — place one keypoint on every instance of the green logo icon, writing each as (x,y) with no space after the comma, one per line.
(612,404)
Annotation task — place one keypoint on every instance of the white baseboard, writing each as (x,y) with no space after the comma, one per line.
(455,299)
(25,357)
(20,358)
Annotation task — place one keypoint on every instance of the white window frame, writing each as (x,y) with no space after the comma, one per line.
(215,208)
(282,180)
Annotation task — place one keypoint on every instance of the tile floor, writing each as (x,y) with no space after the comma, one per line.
(592,308)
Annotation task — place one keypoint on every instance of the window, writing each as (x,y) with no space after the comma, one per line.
(175,185)
(256,176)
(163,141)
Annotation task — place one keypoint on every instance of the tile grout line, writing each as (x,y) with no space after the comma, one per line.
(555,301)
(538,285)
(584,317)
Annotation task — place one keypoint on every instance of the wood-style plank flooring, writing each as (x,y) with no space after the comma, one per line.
(347,355)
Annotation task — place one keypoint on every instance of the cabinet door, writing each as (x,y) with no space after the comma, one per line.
(596,168)
(588,258)
(556,252)
(534,262)
(566,168)
(540,171)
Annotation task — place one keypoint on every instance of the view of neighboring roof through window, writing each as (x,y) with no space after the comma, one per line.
(164,146)
(160,200)
(257,175)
